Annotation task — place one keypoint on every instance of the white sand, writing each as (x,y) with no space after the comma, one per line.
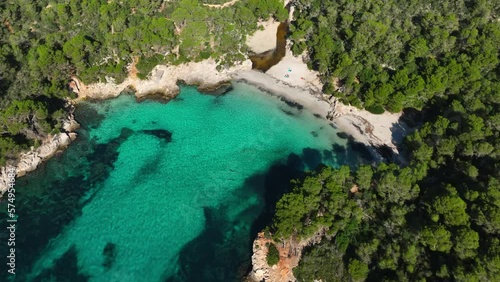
(299,75)
(221,6)
(363,126)
(294,94)
(263,40)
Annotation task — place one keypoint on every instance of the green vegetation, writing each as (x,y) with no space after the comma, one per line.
(426,221)
(436,218)
(24,124)
(43,43)
(399,55)
(273,255)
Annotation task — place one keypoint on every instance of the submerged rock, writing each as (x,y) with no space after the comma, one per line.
(216,89)
(109,253)
(159,133)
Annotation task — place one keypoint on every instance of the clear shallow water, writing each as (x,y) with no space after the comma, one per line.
(167,192)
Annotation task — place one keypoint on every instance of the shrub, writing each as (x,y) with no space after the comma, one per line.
(375,109)
(273,256)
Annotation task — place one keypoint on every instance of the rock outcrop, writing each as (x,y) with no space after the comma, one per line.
(163,81)
(30,160)
(290,252)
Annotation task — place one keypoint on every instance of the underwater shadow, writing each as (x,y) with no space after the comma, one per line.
(222,252)
(64,269)
(56,198)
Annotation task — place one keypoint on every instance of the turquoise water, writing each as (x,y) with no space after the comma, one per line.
(167,192)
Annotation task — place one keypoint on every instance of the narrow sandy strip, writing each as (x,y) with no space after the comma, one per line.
(378,130)
(364,127)
(273,86)
(221,6)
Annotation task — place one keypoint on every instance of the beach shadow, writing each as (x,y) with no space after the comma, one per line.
(399,130)
(408,123)
(311,157)
(222,252)
(89,114)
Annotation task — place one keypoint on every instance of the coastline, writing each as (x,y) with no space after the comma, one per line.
(31,159)
(363,127)
(373,131)
(274,87)
(290,79)
(162,81)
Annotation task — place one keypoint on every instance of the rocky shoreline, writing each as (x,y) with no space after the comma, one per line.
(163,84)
(53,144)
(290,252)
(163,81)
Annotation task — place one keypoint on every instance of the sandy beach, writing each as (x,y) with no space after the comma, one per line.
(294,81)
(294,72)
(363,126)
(263,39)
(290,79)
(279,88)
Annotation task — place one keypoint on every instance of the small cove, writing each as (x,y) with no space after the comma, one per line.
(168,192)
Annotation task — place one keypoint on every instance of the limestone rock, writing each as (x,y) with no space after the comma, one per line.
(70,125)
(30,160)
(290,252)
(4,177)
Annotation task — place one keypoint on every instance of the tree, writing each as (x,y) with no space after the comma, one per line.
(466,243)
(358,270)
(437,238)
(8,149)
(450,208)
(364,176)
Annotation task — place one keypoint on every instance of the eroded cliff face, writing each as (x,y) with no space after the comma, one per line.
(282,271)
(290,252)
(30,160)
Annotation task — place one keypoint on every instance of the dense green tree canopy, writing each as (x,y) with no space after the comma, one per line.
(394,55)
(437,218)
